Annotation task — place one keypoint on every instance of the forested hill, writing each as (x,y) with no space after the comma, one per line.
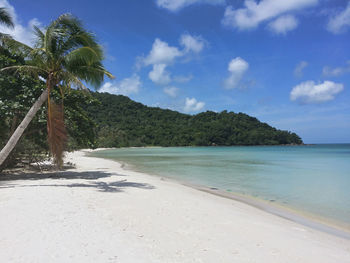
(122,122)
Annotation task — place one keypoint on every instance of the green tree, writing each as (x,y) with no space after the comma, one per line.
(65,55)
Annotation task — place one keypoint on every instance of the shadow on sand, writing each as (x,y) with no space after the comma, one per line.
(9,181)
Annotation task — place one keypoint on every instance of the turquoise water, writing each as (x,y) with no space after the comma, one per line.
(312,179)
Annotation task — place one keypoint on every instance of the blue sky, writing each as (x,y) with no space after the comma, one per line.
(285,62)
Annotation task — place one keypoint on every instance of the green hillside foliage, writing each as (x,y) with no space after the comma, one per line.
(122,122)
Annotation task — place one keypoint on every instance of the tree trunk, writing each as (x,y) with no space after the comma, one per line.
(20,129)
(14,124)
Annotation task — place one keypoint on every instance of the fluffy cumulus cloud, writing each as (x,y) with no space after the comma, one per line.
(192,43)
(310,92)
(283,24)
(299,69)
(192,105)
(159,75)
(125,87)
(336,72)
(162,55)
(237,67)
(253,13)
(171,91)
(22,33)
(175,5)
(340,22)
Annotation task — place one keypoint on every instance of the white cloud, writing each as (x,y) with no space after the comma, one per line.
(310,92)
(298,71)
(340,22)
(192,105)
(192,43)
(253,13)
(237,67)
(125,87)
(159,75)
(182,79)
(22,33)
(171,91)
(175,5)
(162,53)
(283,24)
(335,72)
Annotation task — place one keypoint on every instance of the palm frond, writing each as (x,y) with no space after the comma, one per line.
(82,56)
(57,32)
(69,80)
(17,46)
(93,74)
(38,33)
(5,17)
(81,38)
(26,69)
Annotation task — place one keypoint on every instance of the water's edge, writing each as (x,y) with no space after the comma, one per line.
(261,204)
(279,211)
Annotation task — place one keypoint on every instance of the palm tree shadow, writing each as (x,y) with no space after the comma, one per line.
(89,175)
(111,187)
(9,181)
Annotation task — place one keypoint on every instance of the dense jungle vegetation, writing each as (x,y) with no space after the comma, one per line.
(122,122)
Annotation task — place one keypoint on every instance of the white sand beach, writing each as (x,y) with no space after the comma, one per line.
(100,212)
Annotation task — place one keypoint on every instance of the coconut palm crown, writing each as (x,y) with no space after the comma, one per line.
(66,56)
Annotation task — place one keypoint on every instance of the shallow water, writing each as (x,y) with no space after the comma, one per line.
(311,179)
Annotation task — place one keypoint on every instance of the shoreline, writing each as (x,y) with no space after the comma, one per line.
(297,216)
(100,212)
(283,212)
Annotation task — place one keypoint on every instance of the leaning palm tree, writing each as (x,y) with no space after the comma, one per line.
(66,56)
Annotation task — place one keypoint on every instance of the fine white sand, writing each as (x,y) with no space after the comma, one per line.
(99,212)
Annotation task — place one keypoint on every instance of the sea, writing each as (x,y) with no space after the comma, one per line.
(313,180)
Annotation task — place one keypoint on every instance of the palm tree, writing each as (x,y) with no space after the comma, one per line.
(5,17)
(65,55)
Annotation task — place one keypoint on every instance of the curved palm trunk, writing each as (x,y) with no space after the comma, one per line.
(24,124)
